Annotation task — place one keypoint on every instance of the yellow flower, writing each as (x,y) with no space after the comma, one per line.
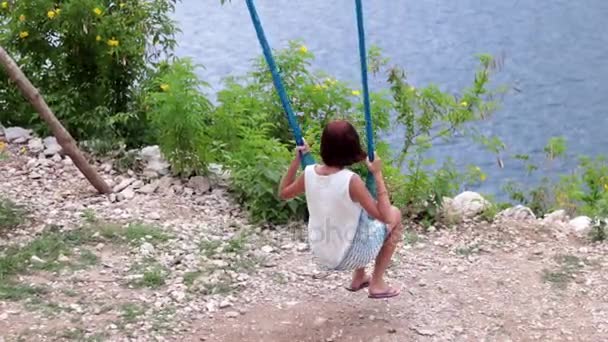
(164,87)
(22,18)
(24,34)
(122,5)
(303,49)
(331,81)
(97,11)
(98,38)
(482,177)
(2,146)
(51,14)
(5,4)
(464,103)
(356,92)
(113,42)
(23,150)
(58,11)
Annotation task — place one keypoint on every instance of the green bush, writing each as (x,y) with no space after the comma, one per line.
(251,131)
(248,103)
(256,170)
(88,58)
(11,215)
(582,192)
(426,115)
(181,115)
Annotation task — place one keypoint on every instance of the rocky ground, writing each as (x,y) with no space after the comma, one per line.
(166,260)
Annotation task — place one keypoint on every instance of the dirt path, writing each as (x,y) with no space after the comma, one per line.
(174,265)
(542,292)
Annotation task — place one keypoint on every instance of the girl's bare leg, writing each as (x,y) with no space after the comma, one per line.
(377,284)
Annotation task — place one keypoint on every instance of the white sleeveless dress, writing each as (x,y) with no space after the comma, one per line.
(341,234)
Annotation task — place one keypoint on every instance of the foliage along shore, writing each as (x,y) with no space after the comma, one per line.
(146,171)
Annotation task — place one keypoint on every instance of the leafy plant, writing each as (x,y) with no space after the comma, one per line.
(582,192)
(181,114)
(599,230)
(252,136)
(88,58)
(256,171)
(11,214)
(426,115)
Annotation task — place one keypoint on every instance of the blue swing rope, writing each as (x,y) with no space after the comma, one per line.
(307,158)
(369,181)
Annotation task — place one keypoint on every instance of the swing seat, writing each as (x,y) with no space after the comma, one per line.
(367,242)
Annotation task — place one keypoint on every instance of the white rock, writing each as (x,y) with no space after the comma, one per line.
(302,247)
(558,216)
(146,249)
(219,263)
(199,184)
(267,249)
(128,193)
(519,213)
(467,204)
(36,260)
(178,295)
(123,185)
(210,307)
(319,321)
(581,224)
(12,134)
(154,216)
(225,304)
(137,184)
(35,145)
(154,161)
(150,152)
(149,188)
(52,147)
(232,314)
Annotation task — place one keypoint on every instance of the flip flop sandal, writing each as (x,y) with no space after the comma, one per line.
(360,287)
(383,295)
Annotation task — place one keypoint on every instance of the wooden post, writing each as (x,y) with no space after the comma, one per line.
(63,136)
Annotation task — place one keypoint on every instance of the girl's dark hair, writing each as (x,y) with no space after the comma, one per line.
(340,145)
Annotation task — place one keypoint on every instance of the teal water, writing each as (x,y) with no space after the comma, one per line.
(555,56)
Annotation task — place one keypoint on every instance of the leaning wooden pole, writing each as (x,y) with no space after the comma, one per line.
(63,136)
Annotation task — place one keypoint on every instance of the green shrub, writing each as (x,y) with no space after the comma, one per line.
(426,115)
(599,230)
(88,58)
(247,104)
(256,171)
(582,192)
(11,214)
(252,134)
(180,114)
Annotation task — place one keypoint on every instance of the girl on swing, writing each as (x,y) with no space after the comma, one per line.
(347,228)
